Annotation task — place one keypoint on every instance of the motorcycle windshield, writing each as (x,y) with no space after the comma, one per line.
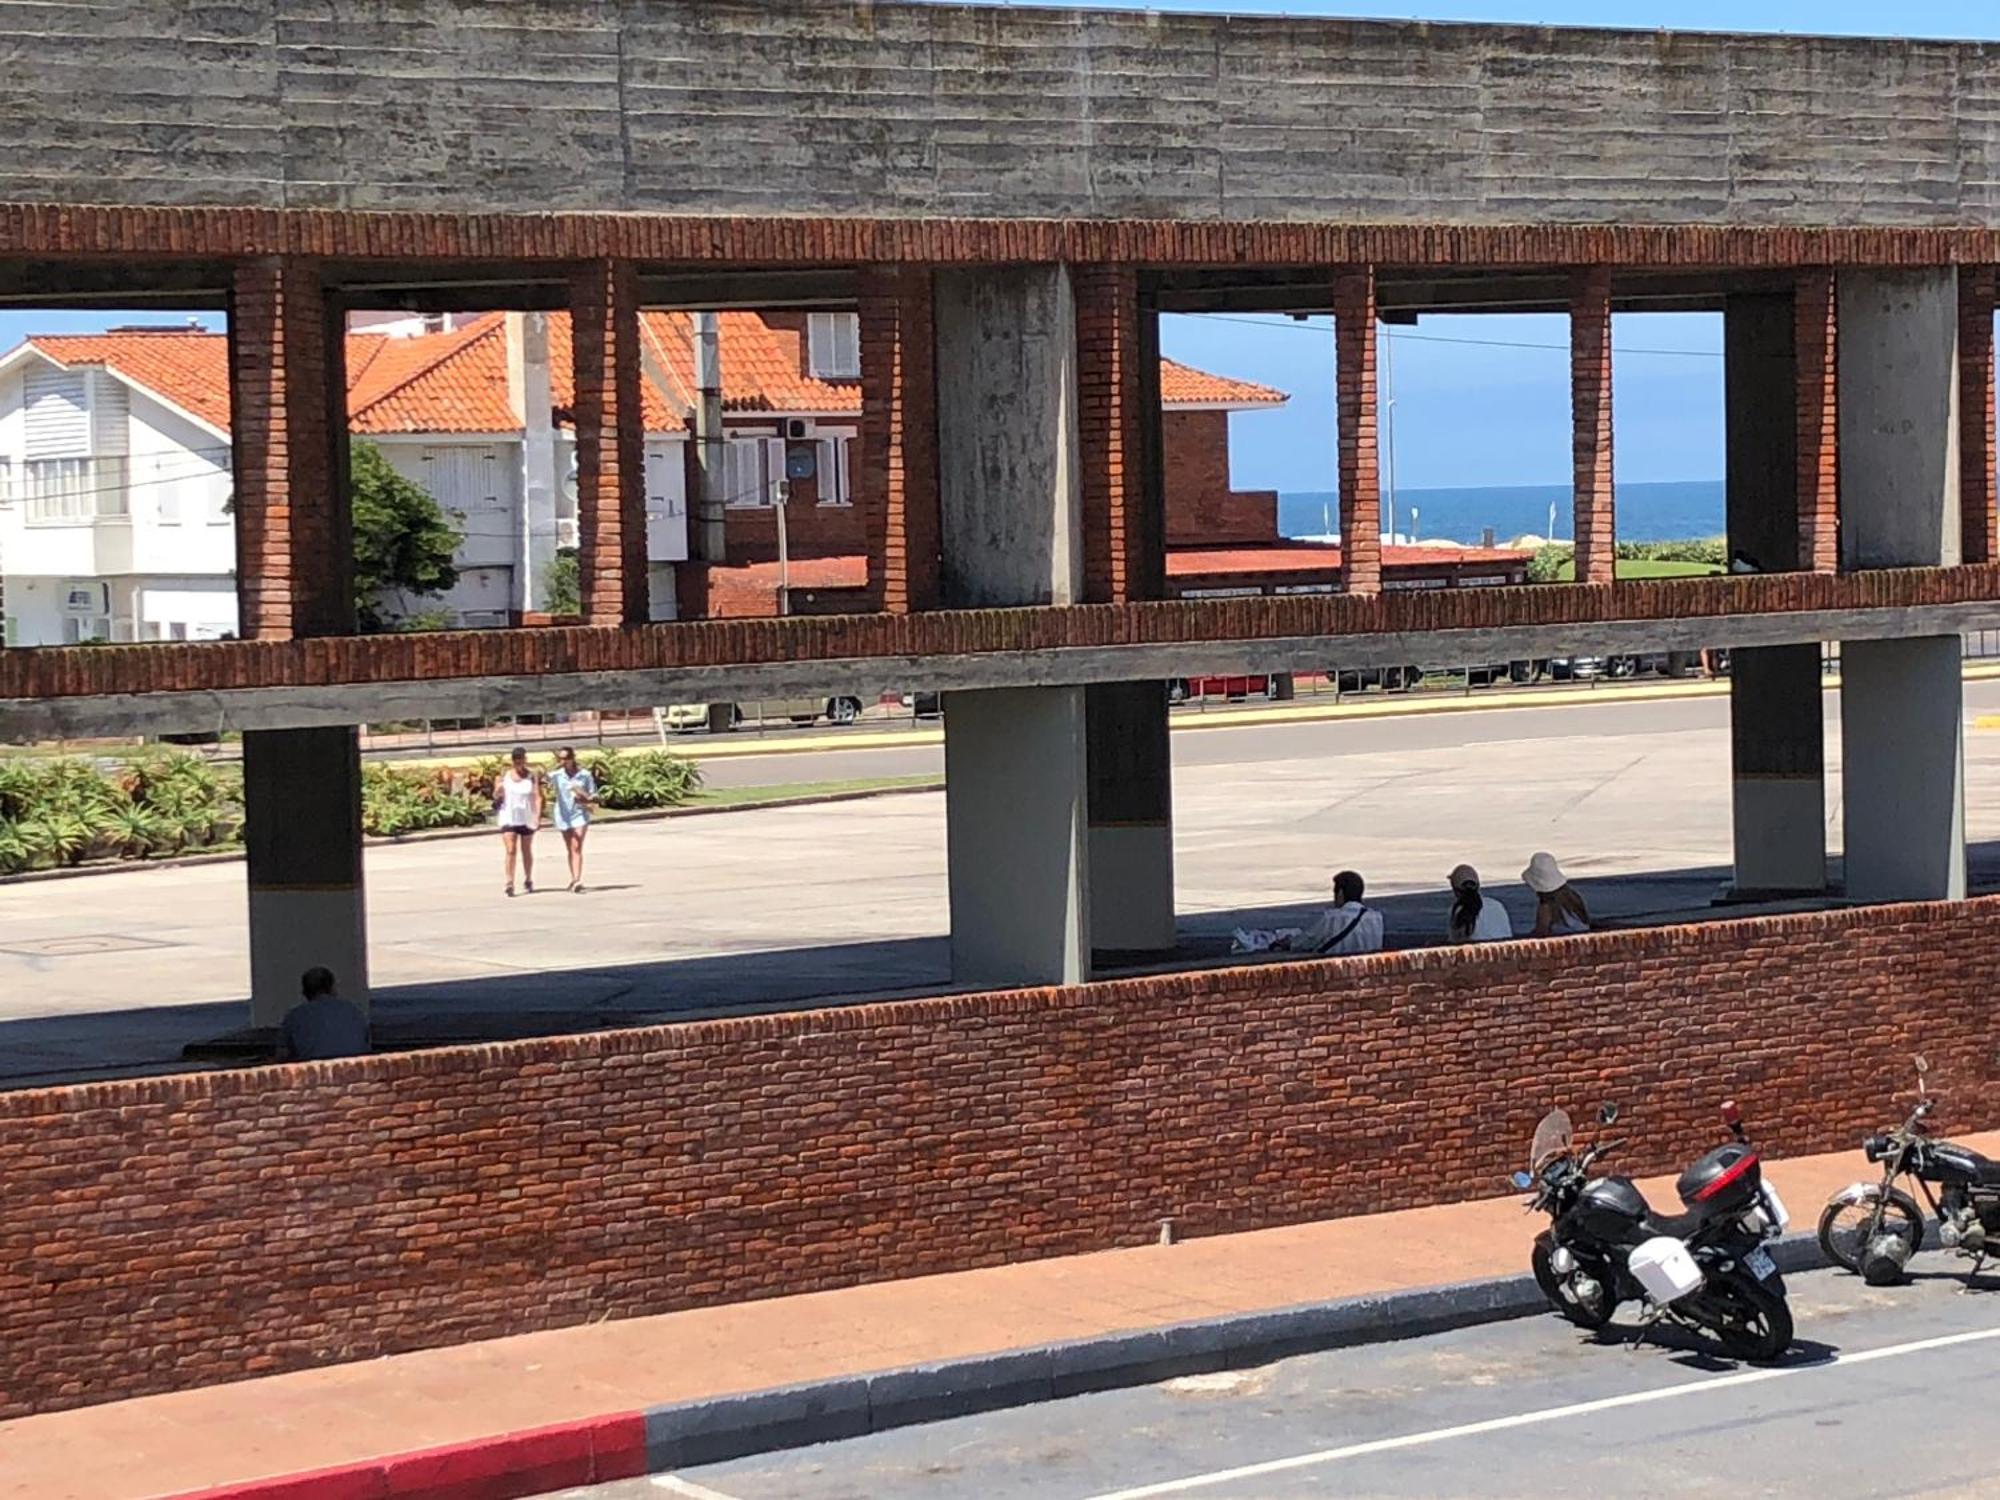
(1552,1138)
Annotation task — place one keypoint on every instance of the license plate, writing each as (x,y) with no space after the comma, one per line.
(1761,1265)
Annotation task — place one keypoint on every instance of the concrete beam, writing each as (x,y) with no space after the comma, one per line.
(26,719)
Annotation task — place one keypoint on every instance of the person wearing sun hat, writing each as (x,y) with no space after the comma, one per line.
(1475,917)
(1559,908)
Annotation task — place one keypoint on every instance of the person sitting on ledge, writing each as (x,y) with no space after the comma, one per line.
(1559,908)
(1475,916)
(323,1026)
(1344,927)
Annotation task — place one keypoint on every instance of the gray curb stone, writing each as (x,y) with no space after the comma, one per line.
(692,1433)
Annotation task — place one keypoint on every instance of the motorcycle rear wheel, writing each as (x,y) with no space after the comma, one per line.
(1756,1324)
(1846,1228)
(1592,1318)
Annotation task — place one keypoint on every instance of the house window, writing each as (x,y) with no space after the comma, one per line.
(753,472)
(834,346)
(80,628)
(833,476)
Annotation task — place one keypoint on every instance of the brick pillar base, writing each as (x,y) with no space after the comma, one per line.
(610,445)
(898,488)
(1360,449)
(1590,410)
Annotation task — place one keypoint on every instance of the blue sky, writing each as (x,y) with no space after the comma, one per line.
(1470,407)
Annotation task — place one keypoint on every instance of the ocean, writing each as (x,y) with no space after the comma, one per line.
(1669,512)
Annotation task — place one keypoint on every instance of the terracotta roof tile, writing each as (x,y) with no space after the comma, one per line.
(456,382)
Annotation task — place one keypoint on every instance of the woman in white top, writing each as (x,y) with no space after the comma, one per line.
(517,800)
(1475,917)
(1559,908)
(576,796)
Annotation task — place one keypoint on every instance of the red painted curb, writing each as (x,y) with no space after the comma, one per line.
(509,1466)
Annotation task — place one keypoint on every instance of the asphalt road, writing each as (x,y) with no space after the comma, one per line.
(115,972)
(1889,1394)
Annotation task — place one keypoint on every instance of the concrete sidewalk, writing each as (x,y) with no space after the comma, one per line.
(520,1415)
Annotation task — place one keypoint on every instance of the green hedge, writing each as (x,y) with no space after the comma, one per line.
(64,812)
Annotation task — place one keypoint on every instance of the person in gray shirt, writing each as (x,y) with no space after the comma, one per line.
(324,1026)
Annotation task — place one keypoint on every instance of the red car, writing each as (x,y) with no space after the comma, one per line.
(1232,688)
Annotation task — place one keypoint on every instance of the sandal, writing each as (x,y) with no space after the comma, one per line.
(510,890)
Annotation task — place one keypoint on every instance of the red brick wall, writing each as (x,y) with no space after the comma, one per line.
(164,1232)
(70,671)
(1119,544)
(610,445)
(896,470)
(1980,528)
(1360,452)
(1815,347)
(107,230)
(1202,510)
(1590,414)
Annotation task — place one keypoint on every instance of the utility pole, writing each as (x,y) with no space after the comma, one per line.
(707,543)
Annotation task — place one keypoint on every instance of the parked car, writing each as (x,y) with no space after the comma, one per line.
(1234,689)
(924,705)
(841,710)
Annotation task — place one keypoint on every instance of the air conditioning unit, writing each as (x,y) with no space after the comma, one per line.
(87,598)
(567,534)
(798,429)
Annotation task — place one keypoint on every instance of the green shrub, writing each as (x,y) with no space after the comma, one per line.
(1710,551)
(396,800)
(1550,563)
(646,778)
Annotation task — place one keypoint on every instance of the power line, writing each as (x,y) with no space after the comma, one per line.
(1440,338)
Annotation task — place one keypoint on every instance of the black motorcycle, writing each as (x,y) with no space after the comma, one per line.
(1706,1268)
(1875,1227)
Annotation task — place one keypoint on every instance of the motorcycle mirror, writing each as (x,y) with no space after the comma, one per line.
(1607,1113)
(1731,1115)
(1923,1066)
(1522,1181)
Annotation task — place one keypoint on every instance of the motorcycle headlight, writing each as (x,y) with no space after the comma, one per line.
(1875,1147)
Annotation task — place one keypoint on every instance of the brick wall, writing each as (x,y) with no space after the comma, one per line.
(610,445)
(1590,416)
(896,484)
(1121,542)
(75,671)
(1360,452)
(1980,521)
(1815,346)
(168,1231)
(1202,509)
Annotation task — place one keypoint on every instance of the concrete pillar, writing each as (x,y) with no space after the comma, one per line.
(1778,737)
(302,788)
(1901,700)
(529,390)
(898,489)
(610,445)
(1131,819)
(1016,762)
(1590,415)
(1360,449)
(302,836)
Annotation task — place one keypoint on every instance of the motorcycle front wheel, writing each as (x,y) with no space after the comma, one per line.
(1846,1226)
(1592,1316)
(1755,1325)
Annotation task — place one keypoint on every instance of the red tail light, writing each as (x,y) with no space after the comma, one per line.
(1731,1115)
(1746,1163)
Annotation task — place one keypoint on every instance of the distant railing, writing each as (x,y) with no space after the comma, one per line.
(71,491)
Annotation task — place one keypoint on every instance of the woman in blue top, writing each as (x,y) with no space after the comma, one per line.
(576,795)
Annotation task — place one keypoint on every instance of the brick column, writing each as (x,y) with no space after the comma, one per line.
(610,445)
(1124,531)
(1590,414)
(1979,536)
(898,490)
(1814,326)
(288,447)
(1360,451)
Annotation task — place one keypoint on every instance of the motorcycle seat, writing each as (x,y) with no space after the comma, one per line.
(1680,1226)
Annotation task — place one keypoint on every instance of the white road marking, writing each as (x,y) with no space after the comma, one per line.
(673,1484)
(1533,1418)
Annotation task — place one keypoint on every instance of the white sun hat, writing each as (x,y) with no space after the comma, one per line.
(1544,875)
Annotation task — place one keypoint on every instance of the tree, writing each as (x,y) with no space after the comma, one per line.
(565,584)
(403,544)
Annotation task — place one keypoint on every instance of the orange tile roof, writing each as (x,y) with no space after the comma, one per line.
(1183,385)
(189,369)
(456,382)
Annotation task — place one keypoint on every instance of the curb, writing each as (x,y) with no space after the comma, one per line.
(715,1429)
